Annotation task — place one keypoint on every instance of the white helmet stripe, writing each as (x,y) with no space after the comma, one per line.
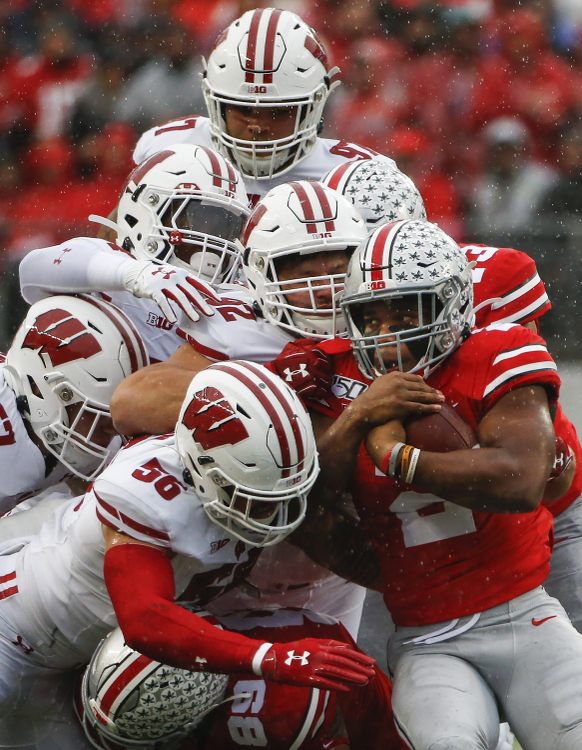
(381,255)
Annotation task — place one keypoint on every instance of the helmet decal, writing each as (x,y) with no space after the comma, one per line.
(253,64)
(212,420)
(314,211)
(61,337)
(286,459)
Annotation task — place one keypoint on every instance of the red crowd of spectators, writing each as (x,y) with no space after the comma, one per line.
(423,82)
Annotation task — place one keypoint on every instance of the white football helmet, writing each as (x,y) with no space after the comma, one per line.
(185,206)
(380,192)
(129,700)
(268,58)
(299,219)
(66,359)
(248,447)
(413,259)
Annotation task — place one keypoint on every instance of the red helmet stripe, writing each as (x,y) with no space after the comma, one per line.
(378,249)
(130,672)
(134,358)
(252,222)
(308,208)
(252,47)
(289,413)
(324,202)
(313,45)
(338,174)
(270,46)
(222,171)
(272,412)
(145,167)
(308,212)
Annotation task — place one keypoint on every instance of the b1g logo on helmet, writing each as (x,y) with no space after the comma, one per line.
(212,420)
(61,337)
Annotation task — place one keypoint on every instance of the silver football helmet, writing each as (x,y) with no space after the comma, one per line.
(130,700)
(380,192)
(415,263)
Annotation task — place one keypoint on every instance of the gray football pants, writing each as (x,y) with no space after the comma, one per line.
(565,579)
(521,662)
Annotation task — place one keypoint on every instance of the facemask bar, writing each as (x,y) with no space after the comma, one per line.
(214,258)
(78,452)
(319,322)
(263,532)
(428,341)
(264,159)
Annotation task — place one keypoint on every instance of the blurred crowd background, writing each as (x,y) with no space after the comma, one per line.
(479,101)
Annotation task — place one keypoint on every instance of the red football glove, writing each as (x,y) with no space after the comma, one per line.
(306,369)
(313,662)
(563,458)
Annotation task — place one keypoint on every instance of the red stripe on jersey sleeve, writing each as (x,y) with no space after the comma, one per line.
(119,521)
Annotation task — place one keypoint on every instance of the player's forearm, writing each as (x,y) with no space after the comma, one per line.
(82,265)
(335,540)
(485,479)
(149,401)
(160,629)
(338,451)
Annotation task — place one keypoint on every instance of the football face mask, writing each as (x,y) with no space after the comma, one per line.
(408,298)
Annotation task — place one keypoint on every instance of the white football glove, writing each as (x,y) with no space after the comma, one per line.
(170,287)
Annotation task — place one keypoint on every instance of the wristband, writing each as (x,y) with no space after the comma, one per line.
(402,466)
(388,464)
(258,658)
(412,465)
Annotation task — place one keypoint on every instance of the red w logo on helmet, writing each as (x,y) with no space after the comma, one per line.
(213,420)
(61,337)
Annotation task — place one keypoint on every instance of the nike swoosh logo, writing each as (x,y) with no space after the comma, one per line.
(540,622)
(426,265)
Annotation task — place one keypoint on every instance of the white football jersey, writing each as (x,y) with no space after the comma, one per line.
(63,602)
(22,465)
(326,154)
(234,331)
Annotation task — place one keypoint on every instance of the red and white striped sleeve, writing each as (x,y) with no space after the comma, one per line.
(508,279)
(518,357)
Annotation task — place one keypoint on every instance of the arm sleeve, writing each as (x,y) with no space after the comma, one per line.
(82,265)
(140,582)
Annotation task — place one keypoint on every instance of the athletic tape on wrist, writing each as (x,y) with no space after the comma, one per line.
(258,658)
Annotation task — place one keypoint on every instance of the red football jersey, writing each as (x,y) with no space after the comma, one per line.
(511,278)
(279,717)
(440,560)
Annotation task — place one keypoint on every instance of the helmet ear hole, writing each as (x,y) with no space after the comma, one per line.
(131,220)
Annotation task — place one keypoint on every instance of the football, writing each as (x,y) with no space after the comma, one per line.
(440,432)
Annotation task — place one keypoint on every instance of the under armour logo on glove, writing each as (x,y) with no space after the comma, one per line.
(291,374)
(167,273)
(302,658)
(173,289)
(314,662)
(308,370)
